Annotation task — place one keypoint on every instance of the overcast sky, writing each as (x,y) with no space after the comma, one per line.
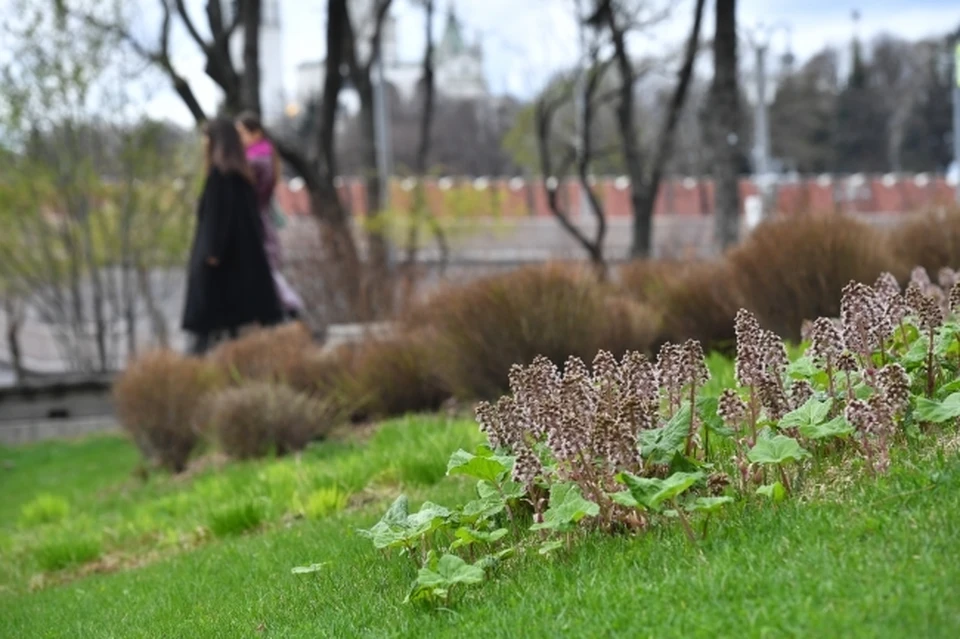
(527,40)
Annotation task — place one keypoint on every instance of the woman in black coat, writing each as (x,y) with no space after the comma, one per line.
(229,284)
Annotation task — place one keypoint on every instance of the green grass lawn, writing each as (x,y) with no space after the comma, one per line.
(879,558)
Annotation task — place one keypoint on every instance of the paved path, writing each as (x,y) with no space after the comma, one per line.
(12,433)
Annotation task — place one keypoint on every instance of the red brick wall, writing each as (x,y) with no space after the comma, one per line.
(874,194)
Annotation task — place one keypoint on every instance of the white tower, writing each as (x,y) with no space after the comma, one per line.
(272,97)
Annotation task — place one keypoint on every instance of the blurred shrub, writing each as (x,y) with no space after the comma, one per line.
(264,355)
(44,509)
(236,519)
(646,281)
(700,303)
(256,418)
(795,269)
(332,377)
(483,328)
(157,400)
(393,376)
(931,241)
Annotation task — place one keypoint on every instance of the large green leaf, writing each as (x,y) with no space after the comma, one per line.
(946,344)
(673,486)
(775,491)
(948,389)
(932,411)
(625,498)
(435,581)
(836,427)
(709,504)
(776,450)
(802,368)
(466,536)
(486,467)
(652,492)
(398,529)
(707,409)
(660,445)
(567,506)
(917,355)
(491,501)
(812,413)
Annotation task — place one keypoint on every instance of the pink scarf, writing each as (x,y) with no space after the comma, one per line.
(259,149)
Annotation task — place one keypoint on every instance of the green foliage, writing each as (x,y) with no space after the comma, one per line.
(937,412)
(659,446)
(653,492)
(236,519)
(567,507)
(778,449)
(398,528)
(709,504)
(65,551)
(811,414)
(436,579)
(484,465)
(836,427)
(325,502)
(44,509)
(775,491)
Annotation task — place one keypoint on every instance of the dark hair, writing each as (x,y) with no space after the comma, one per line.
(225,151)
(250,121)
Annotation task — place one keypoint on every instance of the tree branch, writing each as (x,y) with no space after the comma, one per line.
(191,28)
(159,57)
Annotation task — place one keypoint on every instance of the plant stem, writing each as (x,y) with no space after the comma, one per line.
(785,479)
(693,420)
(830,385)
(686,525)
(930,376)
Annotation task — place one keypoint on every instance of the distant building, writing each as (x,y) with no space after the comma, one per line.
(458,65)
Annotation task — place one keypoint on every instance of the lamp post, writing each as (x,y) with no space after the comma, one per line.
(380,108)
(759,41)
(956,115)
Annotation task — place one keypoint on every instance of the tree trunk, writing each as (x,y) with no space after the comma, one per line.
(645,190)
(726,128)
(250,81)
(158,322)
(14,320)
(344,278)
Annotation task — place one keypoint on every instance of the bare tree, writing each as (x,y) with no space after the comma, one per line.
(645,172)
(420,212)
(74,216)
(577,154)
(725,100)
(315,159)
(361,75)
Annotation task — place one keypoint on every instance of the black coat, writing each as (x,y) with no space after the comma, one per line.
(240,289)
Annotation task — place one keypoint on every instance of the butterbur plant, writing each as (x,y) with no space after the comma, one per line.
(621,446)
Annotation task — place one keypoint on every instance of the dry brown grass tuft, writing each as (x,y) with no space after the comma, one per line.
(483,328)
(795,269)
(255,418)
(265,355)
(931,241)
(157,401)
